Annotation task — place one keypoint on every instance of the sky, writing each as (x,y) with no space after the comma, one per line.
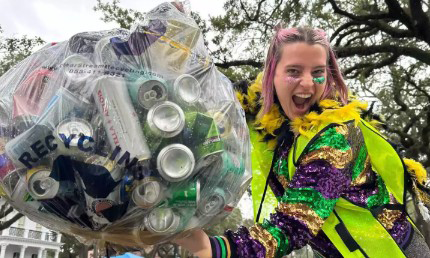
(58,20)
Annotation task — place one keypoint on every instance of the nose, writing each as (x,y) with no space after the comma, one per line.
(307,81)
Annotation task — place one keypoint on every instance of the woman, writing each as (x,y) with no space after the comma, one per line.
(340,185)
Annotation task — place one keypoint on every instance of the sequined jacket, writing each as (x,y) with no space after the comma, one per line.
(335,165)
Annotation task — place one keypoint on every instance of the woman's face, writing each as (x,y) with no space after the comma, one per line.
(295,72)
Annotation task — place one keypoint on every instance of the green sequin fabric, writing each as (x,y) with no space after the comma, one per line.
(330,138)
(311,197)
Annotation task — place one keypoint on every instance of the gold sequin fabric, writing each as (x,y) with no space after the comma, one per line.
(388,217)
(365,175)
(337,158)
(283,180)
(342,129)
(265,238)
(304,213)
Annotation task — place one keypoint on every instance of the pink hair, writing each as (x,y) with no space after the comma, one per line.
(335,82)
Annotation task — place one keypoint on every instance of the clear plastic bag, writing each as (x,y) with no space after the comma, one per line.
(129,137)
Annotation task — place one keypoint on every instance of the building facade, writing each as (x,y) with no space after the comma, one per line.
(28,239)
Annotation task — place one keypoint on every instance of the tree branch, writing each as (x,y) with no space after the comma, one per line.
(421,55)
(379,15)
(249,62)
(6,224)
(257,13)
(422,24)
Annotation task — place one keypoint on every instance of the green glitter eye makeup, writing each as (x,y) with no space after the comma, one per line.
(319,80)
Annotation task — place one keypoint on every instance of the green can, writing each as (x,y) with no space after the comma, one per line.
(185,195)
(233,166)
(146,91)
(202,134)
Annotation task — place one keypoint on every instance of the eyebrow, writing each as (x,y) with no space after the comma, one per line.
(300,66)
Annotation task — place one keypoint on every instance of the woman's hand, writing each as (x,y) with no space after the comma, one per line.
(197,242)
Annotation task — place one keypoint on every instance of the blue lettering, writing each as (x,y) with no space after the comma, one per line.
(67,140)
(81,143)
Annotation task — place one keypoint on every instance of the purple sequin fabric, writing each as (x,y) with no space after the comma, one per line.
(246,246)
(297,232)
(323,177)
(401,230)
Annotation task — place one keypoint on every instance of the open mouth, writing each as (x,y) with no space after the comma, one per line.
(302,100)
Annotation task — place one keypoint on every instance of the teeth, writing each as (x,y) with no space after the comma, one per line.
(304,96)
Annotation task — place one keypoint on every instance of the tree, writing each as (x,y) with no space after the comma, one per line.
(5,210)
(72,248)
(383,46)
(12,51)
(15,49)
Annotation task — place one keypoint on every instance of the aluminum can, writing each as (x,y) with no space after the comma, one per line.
(119,117)
(32,94)
(148,193)
(21,145)
(185,195)
(202,134)
(164,120)
(77,68)
(175,162)
(40,185)
(213,204)
(71,131)
(162,221)
(187,90)
(146,92)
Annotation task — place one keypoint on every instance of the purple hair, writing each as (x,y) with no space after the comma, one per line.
(335,83)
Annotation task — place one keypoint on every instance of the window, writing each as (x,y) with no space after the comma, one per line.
(21,222)
(34,256)
(16,255)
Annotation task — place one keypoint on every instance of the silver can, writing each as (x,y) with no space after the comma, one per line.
(175,162)
(40,185)
(213,204)
(162,221)
(77,68)
(165,120)
(148,193)
(146,92)
(187,89)
(119,117)
(74,135)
